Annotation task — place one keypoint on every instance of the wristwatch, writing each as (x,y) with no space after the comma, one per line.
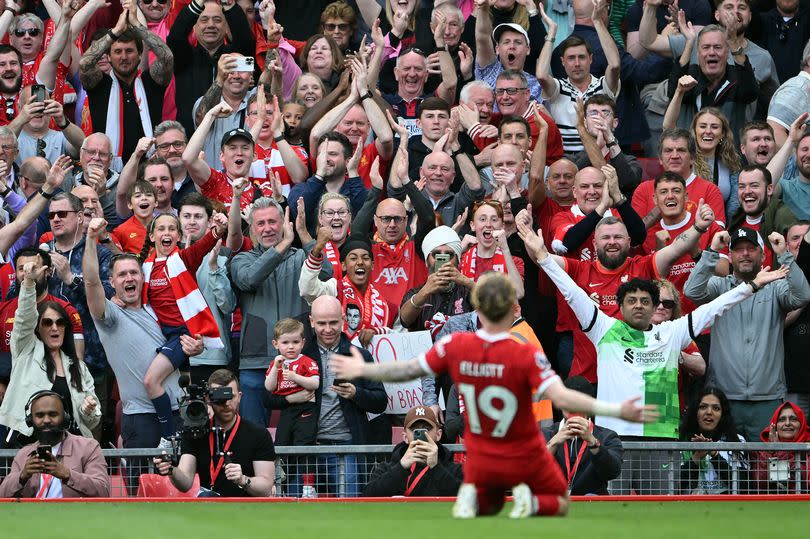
(367,95)
(246,484)
(595,445)
(75,283)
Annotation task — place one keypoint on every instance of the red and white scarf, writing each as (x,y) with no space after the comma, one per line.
(374,312)
(468,261)
(115,113)
(332,254)
(193,308)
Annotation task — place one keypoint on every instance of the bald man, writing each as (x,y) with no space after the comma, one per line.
(343,406)
(398,263)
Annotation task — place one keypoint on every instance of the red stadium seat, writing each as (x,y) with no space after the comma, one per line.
(650,167)
(158,486)
(118,487)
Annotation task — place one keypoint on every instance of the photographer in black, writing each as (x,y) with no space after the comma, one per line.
(234,458)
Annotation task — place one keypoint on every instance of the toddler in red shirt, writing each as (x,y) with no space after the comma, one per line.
(292,372)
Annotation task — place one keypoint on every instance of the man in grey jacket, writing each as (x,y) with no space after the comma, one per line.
(266,278)
(747,352)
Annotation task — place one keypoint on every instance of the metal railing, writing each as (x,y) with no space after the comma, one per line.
(648,468)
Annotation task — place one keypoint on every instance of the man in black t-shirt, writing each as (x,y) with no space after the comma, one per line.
(124,104)
(247,470)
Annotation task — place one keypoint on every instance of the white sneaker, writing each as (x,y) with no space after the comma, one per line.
(165,444)
(524,501)
(466,505)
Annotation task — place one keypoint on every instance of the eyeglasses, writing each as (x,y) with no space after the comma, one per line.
(33,32)
(331,213)
(50,322)
(97,153)
(59,213)
(9,147)
(41,145)
(331,26)
(149,2)
(386,219)
(509,91)
(667,303)
(177,145)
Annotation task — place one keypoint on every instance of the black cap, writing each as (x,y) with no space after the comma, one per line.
(745,234)
(236,133)
(355,242)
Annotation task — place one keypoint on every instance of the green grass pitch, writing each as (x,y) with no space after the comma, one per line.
(643,520)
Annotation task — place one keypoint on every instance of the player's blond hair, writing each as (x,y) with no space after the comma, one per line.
(494,296)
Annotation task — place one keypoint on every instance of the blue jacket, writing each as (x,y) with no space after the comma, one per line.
(313,189)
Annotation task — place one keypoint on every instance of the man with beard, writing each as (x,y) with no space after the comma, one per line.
(124,104)
(754,190)
(10,82)
(247,466)
(670,197)
(8,308)
(59,464)
(237,152)
(749,367)
(170,142)
(601,277)
(791,171)
(377,314)
(335,172)
(195,65)
(677,152)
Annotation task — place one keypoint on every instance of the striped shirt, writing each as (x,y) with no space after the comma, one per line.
(562,102)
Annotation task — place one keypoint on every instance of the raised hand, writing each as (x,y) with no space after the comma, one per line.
(720,240)
(704,216)
(778,243)
(32,273)
(686,83)
(221,110)
(219,223)
(374,174)
(96,228)
(56,174)
(143,145)
(766,276)
(465,57)
(798,127)
(535,245)
(354,162)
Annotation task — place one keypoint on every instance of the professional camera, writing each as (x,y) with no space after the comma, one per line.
(194,406)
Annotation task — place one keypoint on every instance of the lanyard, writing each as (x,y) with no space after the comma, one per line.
(572,472)
(410,486)
(215,470)
(46,483)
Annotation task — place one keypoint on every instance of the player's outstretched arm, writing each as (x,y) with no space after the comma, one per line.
(574,401)
(353,366)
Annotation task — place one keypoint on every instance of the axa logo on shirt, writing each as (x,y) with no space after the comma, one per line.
(392,275)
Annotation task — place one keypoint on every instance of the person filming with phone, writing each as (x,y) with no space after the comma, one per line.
(58,464)
(419,465)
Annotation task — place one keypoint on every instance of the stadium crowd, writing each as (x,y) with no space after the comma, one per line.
(239,190)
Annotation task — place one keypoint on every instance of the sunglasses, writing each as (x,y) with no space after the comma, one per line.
(667,303)
(331,27)
(149,2)
(41,145)
(50,322)
(418,51)
(60,213)
(33,32)
(496,204)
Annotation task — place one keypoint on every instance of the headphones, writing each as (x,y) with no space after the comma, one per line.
(67,420)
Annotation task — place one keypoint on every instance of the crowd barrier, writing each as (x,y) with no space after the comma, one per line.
(649,468)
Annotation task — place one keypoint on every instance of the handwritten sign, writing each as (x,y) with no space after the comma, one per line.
(402,396)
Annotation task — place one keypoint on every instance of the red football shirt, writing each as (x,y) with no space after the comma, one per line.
(496,376)
(303,365)
(696,188)
(682,267)
(396,270)
(130,235)
(273,162)
(218,187)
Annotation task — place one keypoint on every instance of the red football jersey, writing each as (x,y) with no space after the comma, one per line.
(562,222)
(303,365)
(696,188)
(682,267)
(273,162)
(496,376)
(218,187)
